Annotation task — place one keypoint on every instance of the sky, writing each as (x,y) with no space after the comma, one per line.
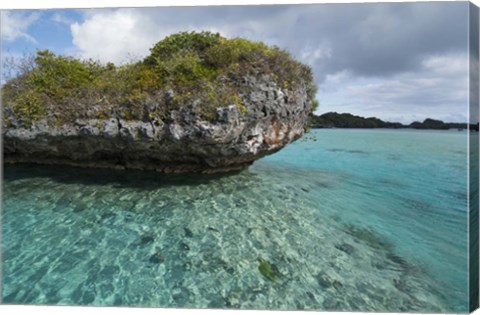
(396,61)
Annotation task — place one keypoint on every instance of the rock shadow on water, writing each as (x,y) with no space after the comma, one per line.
(144,180)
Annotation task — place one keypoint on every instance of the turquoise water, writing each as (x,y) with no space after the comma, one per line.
(358,220)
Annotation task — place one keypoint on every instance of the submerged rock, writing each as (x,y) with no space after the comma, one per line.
(146,239)
(324,280)
(157,258)
(346,248)
(188,232)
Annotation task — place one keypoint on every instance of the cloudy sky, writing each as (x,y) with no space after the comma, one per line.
(397,61)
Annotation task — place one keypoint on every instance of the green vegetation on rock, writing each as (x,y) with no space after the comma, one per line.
(197,70)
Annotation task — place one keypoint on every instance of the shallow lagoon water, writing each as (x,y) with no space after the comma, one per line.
(360,220)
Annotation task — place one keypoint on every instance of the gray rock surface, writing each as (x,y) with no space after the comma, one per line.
(182,143)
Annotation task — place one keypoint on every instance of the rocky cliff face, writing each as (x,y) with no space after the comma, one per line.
(271,118)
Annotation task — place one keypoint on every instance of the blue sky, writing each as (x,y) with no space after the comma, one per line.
(49,29)
(397,61)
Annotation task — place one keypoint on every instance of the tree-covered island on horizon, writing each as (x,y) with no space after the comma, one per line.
(346,120)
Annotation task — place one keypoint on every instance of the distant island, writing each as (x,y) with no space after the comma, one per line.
(345,120)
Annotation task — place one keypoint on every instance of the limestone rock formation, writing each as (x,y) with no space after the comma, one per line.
(230,138)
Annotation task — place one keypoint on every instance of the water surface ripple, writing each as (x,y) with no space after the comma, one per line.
(341,220)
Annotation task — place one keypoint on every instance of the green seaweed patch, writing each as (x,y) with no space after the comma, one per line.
(268,270)
(368,236)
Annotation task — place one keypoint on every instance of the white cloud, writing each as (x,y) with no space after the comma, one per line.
(15,25)
(110,36)
(320,53)
(393,61)
(59,18)
(439,89)
(440,80)
(124,34)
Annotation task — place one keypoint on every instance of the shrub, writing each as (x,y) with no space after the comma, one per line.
(202,69)
(57,76)
(29,107)
(236,50)
(180,44)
